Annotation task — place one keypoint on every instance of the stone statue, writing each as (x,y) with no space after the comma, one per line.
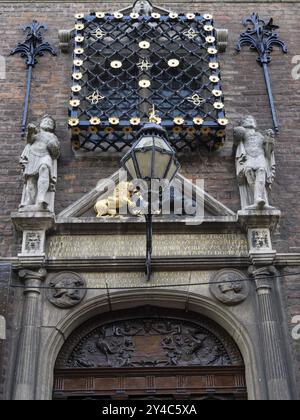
(142,7)
(255,164)
(39,162)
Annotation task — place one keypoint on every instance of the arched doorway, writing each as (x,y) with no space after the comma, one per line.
(150,353)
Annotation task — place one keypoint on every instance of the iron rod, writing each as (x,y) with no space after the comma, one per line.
(271,97)
(27,97)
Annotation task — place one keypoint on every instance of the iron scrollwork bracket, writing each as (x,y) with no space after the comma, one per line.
(261,37)
(32,48)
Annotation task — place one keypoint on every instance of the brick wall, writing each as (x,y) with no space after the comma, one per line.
(243,85)
(4,281)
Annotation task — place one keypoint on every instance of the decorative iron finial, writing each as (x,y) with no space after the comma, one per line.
(30,49)
(153,118)
(261,37)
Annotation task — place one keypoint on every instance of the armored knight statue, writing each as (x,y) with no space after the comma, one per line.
(142,7)
(39,163)
(255,164)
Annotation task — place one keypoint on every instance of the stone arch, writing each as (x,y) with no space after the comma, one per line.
(159,298)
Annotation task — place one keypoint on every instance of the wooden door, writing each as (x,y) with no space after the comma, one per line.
(150,353)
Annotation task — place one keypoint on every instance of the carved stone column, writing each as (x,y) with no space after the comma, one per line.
(27,356)
(273,353)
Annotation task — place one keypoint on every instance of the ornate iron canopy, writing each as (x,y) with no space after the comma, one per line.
(125,64)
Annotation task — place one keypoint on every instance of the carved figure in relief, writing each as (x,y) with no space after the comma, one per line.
(39,163)
(142,7)
(125,195)
(255,164)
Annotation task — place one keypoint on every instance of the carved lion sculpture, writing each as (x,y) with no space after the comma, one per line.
(124,195)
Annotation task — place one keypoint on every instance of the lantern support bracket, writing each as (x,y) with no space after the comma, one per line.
(33,47)
(261,37)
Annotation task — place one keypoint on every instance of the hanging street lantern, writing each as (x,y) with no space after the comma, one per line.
(151,158)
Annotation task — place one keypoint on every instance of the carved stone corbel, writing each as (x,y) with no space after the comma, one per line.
(222,39)
(65,36)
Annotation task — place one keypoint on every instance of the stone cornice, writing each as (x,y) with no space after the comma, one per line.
(159,263)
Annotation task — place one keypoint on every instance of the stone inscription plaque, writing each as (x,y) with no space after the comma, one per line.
(93,246)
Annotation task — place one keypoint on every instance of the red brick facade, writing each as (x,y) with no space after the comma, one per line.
(245,93)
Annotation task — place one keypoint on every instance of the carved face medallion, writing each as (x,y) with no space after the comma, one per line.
(67,289)
(229,287)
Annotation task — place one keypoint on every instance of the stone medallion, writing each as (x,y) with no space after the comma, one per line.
(229,287)
(67,289)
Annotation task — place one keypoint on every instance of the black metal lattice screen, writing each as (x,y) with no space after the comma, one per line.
(125,65)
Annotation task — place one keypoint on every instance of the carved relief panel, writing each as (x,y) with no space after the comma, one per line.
(149,341)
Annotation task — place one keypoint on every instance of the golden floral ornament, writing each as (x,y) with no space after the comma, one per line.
(73,122)
(217,93)
(134,15)
(213,65)
(173,15)
(75,103)
(190,16)
(156,15)
(144,83)
(177,130)
(144,64)
(210,39)
(77,76)
(198,120)
(114,120)
(212,51)
(208,28)
(100,15)
(98,33)
(191,131)
(173,62)
(196,99)
(205,131)
(144,45)
(223,121)
(135,121)
(76,131)
(108,130)
(219,105)
(93,130)
(78,63)
(95,121)
(208,16)
(116,64)
(127,130)
(220,133)
(79,26)
(79,51)
(190,33)
(179,120)
(95,97)
(214,79)
(76,144)
(79,38)
(118,15)
(76,88)
(79,16)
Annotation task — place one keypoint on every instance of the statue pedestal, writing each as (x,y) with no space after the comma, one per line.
(259,224)
(33,220)
(34,227)
(267,219)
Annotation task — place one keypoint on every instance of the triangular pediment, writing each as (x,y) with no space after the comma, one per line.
(191,193)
